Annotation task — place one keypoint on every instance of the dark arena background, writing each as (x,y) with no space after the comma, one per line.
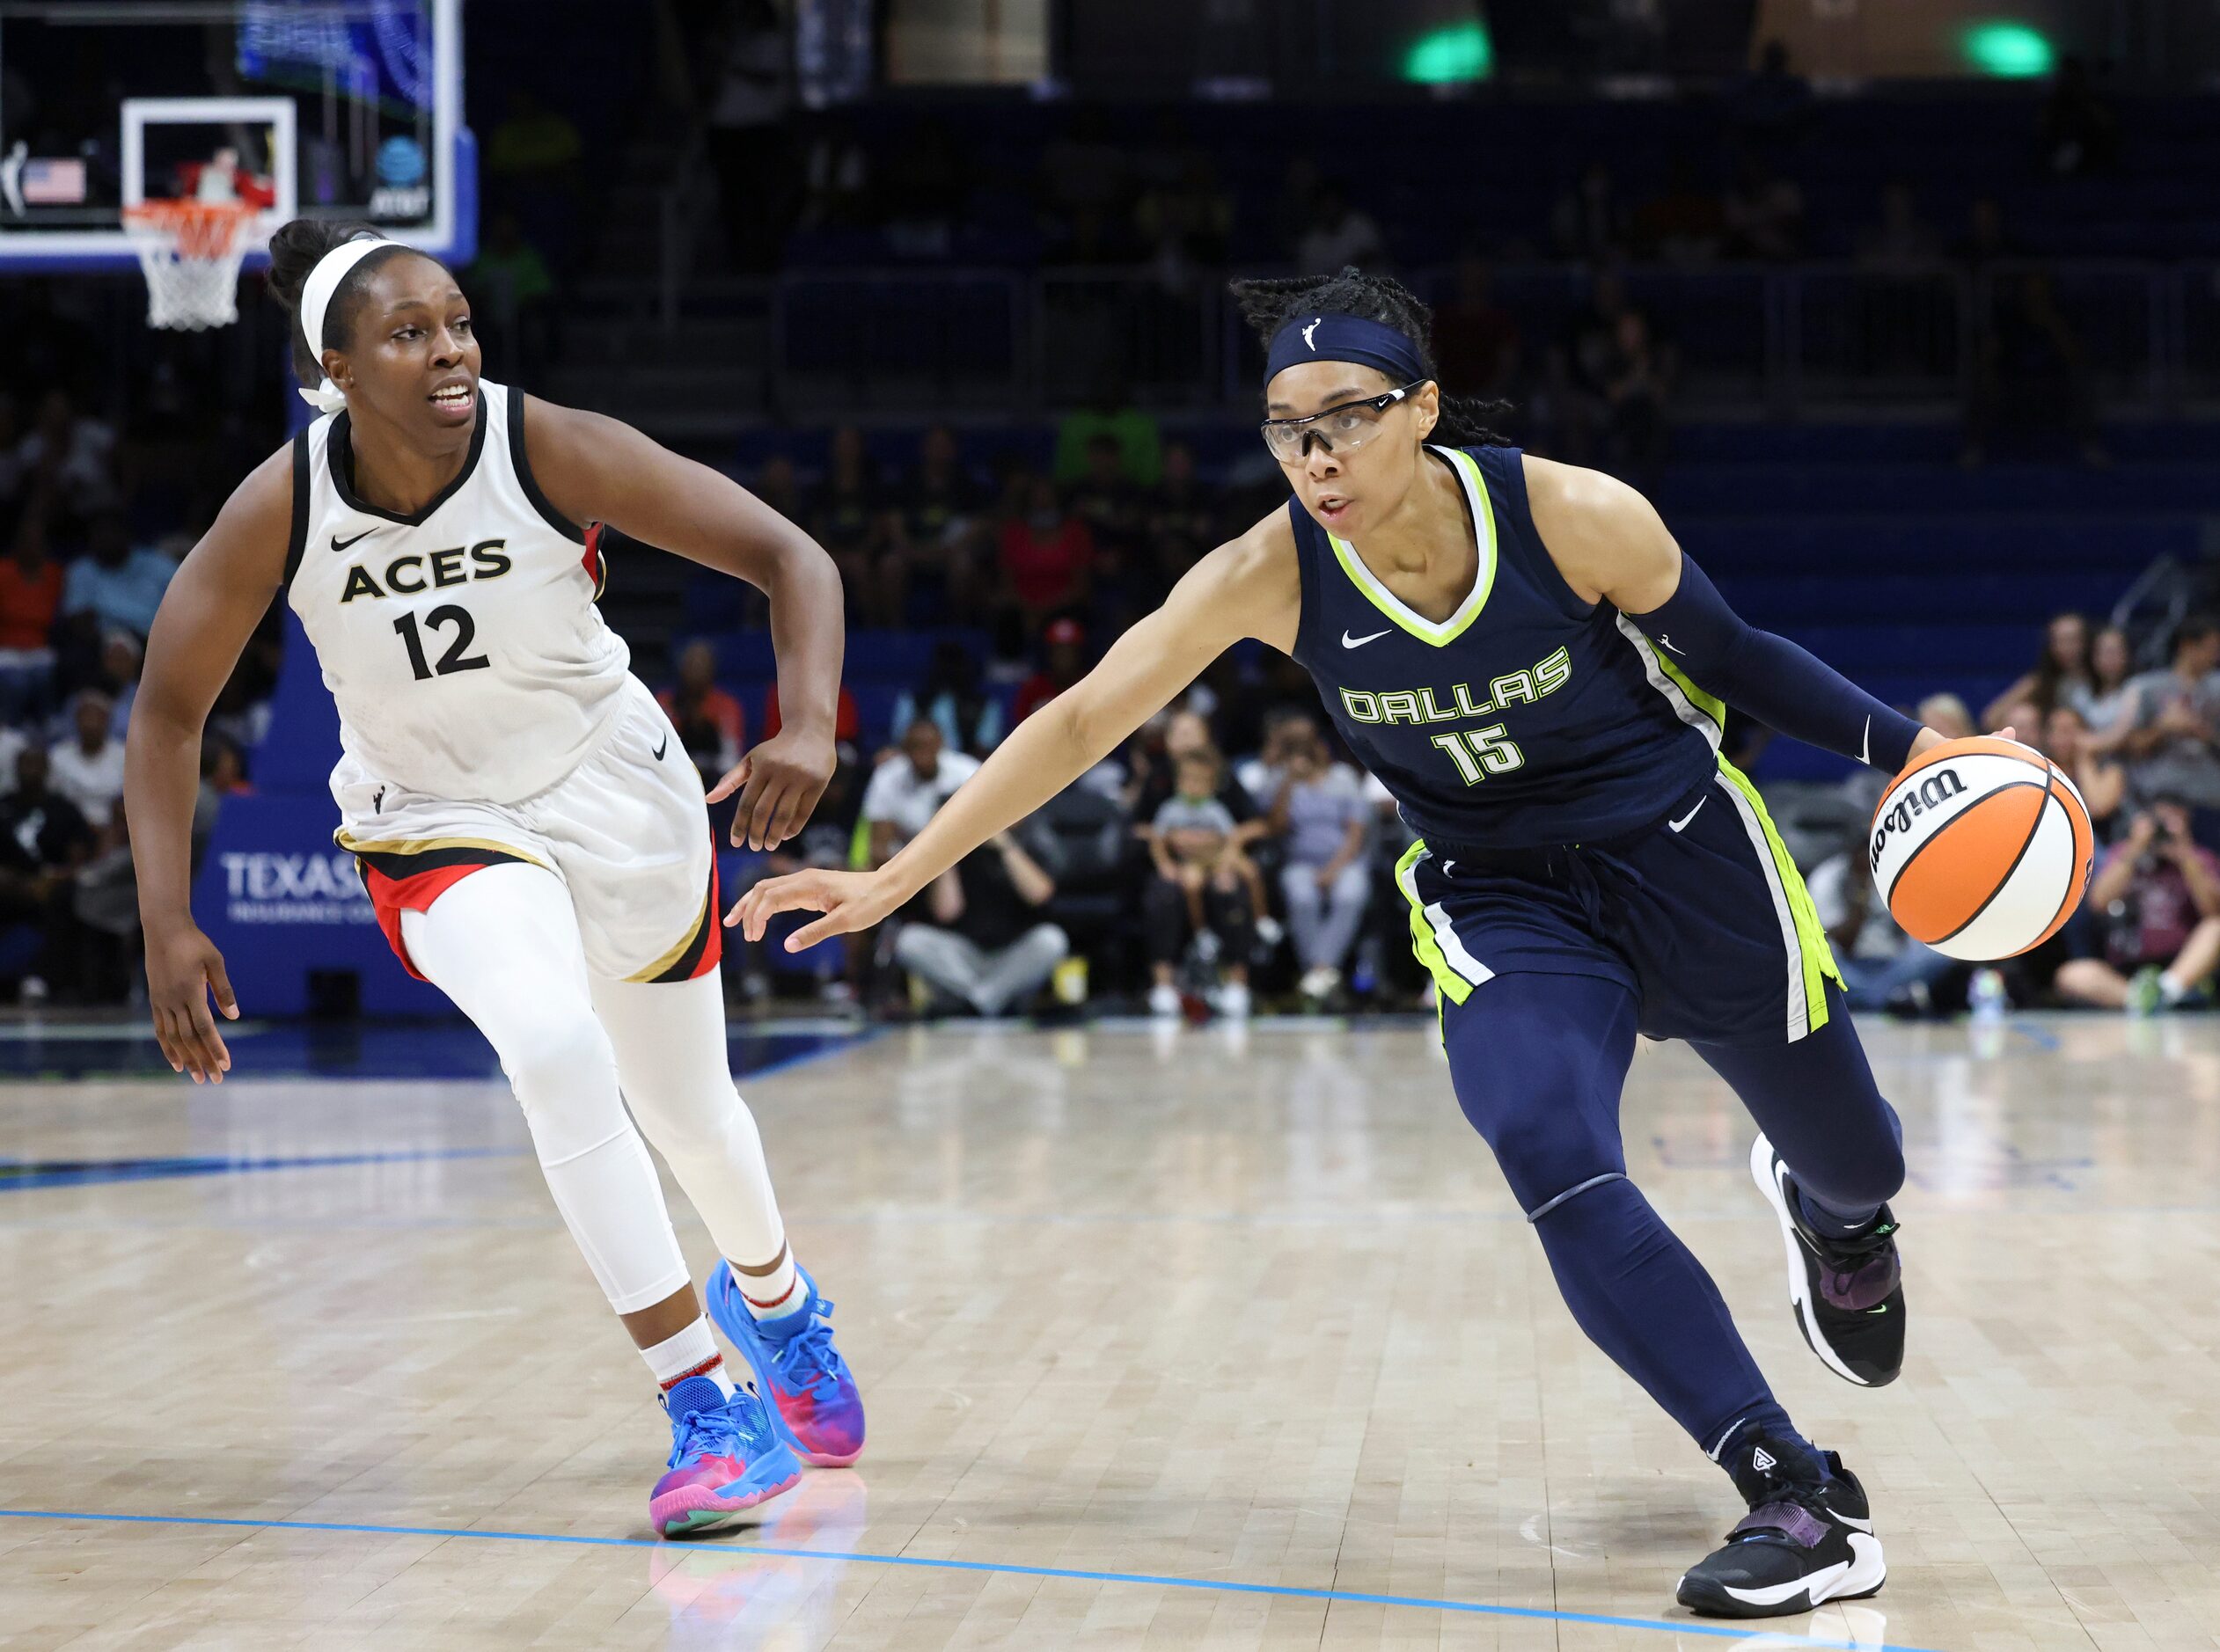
(1189,1308)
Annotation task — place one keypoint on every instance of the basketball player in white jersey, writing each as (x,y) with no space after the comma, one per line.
(531,834)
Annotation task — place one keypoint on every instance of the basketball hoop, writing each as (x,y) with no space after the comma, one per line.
(189,252)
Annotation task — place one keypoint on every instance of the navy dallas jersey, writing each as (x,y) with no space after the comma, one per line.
(1527,718)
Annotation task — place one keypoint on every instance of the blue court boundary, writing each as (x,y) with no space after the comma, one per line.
(1282,1592)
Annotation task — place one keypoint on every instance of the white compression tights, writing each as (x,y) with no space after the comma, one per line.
(503,944)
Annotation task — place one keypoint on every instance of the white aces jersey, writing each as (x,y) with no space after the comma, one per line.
(461,642)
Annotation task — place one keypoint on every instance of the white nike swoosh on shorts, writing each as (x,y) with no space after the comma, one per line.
(1691,815)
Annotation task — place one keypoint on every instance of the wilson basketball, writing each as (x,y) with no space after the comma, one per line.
(1981,848)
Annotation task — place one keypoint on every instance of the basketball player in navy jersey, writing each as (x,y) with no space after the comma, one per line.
(1525,658)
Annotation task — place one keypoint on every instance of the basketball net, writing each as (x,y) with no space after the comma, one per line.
(189,252)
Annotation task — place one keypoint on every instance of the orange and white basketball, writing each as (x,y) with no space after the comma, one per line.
(1981,848)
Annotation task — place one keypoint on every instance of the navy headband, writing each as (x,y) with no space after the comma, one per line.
(1332,337)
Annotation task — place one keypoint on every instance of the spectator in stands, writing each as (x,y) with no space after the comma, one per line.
(1157,750)
(2160,891)
(121,660)
(2111,661)
(1638,382)
(1264,771)
(1182,521)
(1588,224)
(10,459)
(749,140)
(1900,243)
(848,514)
(2080,134)
(712,726)
(73,454)
(907,788)
(987,944)
(2059,675)
(1141,442)
(1946,715)
(2102,783)
(937,523)
(1084,183)
(532,142)
(778,487)
(88,767)
(1198,892)
(1340,234)
(1771,106)
(847,716)
(511,288)
(2031,372)
(1185,223)
(1063,663)
(2169,731)
(1572,404)
(1686,224)
(30,599)
(1112,509)
(969,718)
(1764,213)
(1475,339)
(1883,968)
(1047,557)
(44,840)
(1907,308)
(1320,817)
(115,584)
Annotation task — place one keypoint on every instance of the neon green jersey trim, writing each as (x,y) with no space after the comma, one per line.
(1440,633)
(1811,935)
(1453,987)
(1710,705)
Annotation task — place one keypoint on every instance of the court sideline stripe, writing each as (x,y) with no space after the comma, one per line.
(1286,1591)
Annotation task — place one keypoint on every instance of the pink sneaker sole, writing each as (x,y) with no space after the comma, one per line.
(691,1508)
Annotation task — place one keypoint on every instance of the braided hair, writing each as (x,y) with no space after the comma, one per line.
(1465,421)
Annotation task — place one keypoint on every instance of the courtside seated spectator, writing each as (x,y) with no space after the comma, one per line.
(969,718)
(910,786)
(88,767)
(987,944)
(1197,891)
(1320,815)
(44,839)
(2102,783)
(116,583)
(2059,675)
(711,724)
(1046,557)
(1882,967)
(1063,663)
(2158,892)
(72,454)
(2169,731)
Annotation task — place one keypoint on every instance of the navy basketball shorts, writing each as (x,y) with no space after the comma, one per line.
(1703,916)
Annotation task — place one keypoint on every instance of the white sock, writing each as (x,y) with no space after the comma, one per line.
(2171,990)
(694,1352)
(771,1291)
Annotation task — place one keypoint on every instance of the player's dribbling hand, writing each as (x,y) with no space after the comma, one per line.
(779,782)
(850,900)
(182,968)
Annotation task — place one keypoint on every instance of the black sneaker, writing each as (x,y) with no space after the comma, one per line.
(1808,1538)
(1847,1293)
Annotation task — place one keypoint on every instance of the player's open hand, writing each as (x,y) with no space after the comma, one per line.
(850,900)
(182,968)
(779,782)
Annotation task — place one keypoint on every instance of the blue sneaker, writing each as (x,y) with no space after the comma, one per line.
(725,1457)
(812,1393)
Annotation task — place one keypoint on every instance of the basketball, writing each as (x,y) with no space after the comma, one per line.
(1981,848)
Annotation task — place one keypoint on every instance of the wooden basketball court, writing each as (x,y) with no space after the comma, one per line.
(1179,1339)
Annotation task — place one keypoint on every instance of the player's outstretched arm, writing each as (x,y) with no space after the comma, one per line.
(1612,547)
(214,602)
(595,468)
(1247,588)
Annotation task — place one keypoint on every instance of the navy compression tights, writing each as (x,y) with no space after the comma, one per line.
(1539,1061)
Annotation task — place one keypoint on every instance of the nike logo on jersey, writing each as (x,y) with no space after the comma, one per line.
(339,544)
(1448,866)
(662,747)
(1682,822)
(1348,641)
(1866,744)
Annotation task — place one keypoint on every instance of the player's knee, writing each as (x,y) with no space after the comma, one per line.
(564,1073)
(1544,1155)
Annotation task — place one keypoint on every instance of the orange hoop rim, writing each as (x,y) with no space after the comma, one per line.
(202,229)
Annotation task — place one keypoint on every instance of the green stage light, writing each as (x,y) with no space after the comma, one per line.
(1446,57)
(2012,50)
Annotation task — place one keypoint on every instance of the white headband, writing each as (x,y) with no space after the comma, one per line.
(316,297)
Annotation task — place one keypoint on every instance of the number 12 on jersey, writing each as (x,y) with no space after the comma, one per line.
(456,658)
(1481,752)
